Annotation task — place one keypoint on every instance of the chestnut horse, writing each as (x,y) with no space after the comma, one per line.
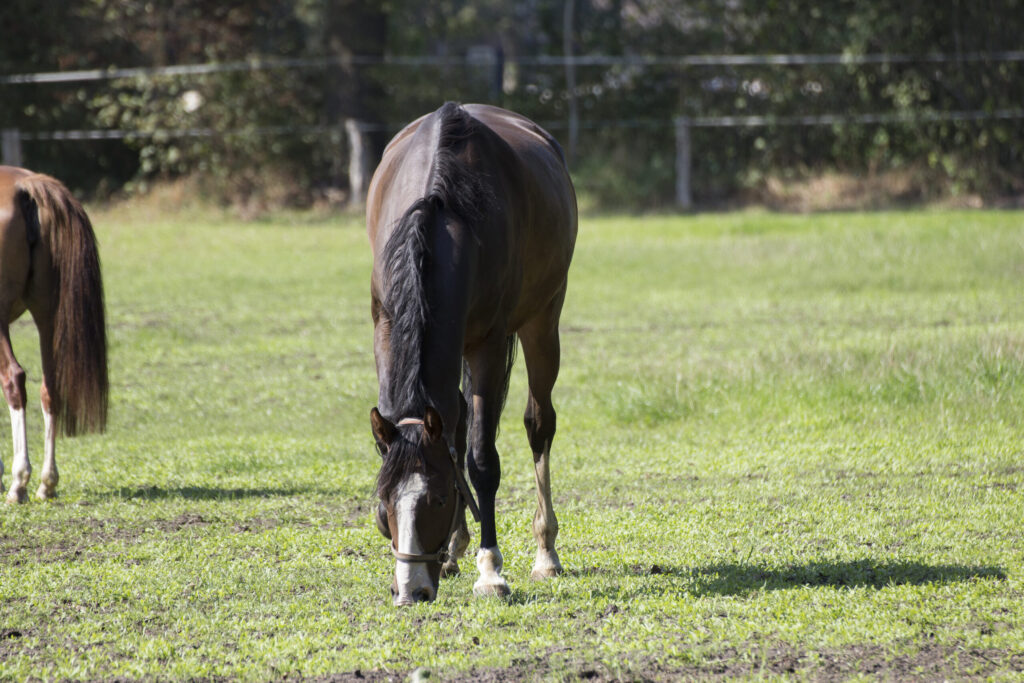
(472,219)
(50,267)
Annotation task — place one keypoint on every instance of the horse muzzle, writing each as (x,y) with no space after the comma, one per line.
(410,597)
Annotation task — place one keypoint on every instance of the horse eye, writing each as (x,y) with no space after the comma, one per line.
(440,501)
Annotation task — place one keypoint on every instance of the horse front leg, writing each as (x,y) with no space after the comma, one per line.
(12,376)
(487,374)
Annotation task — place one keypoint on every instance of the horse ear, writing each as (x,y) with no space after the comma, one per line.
(383,431)
(432,425)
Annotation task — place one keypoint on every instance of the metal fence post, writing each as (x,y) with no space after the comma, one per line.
(684,200)
(10,155)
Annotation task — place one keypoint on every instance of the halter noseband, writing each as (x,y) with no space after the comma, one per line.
(461,490)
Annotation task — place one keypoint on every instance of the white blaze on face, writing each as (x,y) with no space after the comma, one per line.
(410,576)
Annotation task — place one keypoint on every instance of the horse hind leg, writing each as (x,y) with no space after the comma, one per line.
(541,351)
(49,399)
(12,377)
(49,477)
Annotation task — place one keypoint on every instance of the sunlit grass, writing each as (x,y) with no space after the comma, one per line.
(785,442)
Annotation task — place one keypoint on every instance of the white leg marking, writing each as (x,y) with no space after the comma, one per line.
(20,467)
(410,577)
(545,524)
(48,480)
(489,562)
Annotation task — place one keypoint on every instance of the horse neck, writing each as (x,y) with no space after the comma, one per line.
(446,285)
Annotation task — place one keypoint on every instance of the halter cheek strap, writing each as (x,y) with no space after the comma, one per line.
(461,489)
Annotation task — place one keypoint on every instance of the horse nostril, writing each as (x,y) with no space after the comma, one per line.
(422,595)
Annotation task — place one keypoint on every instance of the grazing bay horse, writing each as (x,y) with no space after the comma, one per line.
(472,218)
(50,267)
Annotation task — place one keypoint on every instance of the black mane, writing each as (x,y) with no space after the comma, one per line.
(454,190)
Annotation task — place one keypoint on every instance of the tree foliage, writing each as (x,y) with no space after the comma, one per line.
(277,133)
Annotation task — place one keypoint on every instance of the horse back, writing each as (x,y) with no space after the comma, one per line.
(525,239)
(541,200)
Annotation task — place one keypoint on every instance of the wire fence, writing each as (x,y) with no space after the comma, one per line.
(485,58)
(490,60)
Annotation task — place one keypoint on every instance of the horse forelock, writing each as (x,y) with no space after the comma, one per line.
(398,461)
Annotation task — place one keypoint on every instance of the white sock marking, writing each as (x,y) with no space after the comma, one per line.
(20,468)
(488,563)
(48,479)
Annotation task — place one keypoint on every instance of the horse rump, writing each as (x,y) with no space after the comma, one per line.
(79,343)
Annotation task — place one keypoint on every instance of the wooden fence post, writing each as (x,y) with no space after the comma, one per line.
(684,200)
(359,164)
(10,155)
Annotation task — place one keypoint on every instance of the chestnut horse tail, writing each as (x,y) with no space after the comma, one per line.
(79,327)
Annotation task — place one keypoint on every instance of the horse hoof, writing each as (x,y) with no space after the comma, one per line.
(16,497)
(546,565)
(448,569)
(542,573)
(498,589)
(44,492)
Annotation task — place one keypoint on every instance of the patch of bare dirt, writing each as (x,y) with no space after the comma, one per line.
(359,676)
(187,519)
(78,537)
(931,662)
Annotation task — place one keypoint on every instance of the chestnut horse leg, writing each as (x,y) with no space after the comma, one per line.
(487,377)
(541,350)
(12,377)
(49,400)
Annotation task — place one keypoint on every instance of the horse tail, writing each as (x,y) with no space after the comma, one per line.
(79,341)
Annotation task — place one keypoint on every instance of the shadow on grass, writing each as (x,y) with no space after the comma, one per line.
(737,578)
(214,493)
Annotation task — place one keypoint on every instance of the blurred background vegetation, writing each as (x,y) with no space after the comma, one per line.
(277,134)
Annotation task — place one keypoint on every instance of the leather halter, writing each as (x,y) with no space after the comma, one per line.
(461,490)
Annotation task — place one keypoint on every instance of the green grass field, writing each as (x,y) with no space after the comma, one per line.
(788,446)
